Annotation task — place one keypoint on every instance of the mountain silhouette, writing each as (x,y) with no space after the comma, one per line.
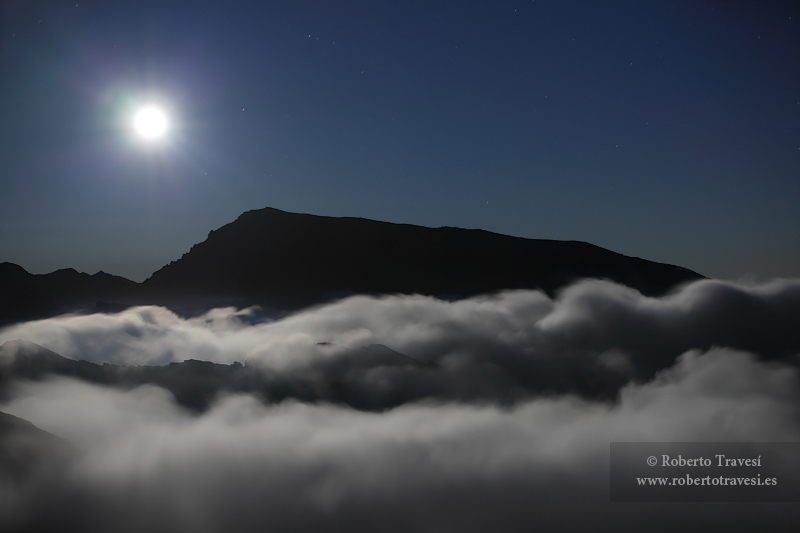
(26,296)
(371,378)
(195,384)
(287,261)
(24,449)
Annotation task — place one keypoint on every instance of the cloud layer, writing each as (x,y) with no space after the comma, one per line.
(595,337)
(145,464)
(590,315)
(713,361)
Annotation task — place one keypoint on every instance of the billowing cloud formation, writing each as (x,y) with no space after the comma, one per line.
(595,337)
(487,418)
(591,315)
(143,463)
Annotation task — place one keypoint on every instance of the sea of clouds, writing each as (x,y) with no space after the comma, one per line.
(507,427)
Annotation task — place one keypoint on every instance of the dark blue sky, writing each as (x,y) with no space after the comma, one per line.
(664,130)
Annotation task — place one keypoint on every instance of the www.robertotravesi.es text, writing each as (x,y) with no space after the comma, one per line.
(715,481)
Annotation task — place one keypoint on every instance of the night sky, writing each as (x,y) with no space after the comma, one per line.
(664,130)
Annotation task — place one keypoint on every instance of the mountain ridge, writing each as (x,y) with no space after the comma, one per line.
(340,375)
(287,261)
(300,259)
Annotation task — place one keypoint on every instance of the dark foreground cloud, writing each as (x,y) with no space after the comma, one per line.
(142,463)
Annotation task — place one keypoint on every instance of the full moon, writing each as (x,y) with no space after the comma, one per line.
(150,122)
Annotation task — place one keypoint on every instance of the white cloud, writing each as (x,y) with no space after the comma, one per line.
(145,463)
(592,339)
(490,437)
(591,315)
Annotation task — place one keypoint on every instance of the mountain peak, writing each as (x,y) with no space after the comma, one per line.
(287,261)
(290,260)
